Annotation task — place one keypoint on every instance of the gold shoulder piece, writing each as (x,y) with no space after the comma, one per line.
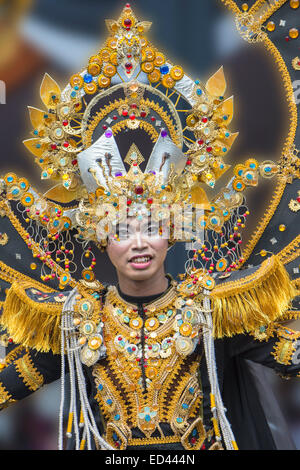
(32,323)
(256,300)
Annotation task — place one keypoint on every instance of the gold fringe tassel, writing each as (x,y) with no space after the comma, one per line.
(256,300)
(32,324)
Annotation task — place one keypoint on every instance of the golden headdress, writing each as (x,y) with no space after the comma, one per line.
(132,134)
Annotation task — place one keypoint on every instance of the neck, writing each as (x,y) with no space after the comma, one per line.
(147,287)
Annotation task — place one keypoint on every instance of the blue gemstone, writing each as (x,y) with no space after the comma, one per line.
(199,92)
(36,132)
(41,160)
(88,78)
(115,437)
(100,387)
(147,418)
(249,177)
(197,82)
(185,406)
(76,87)
(239,185)
(252,165)
(117,417)
(38,146)
(191,390)
(164,69)
(267,169)
(109,401)
(225,118)
(10,179)
(224,149)
(73,94)
(15,192)
(194,432)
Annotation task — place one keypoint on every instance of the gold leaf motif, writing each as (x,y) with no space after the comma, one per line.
(226,109)
(49,89)
(31,144)
(36,117)
(216,85)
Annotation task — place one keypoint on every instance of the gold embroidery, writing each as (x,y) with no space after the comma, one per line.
(28,372)
(124,402)
(286,346)
(290,252)
(5,397)
(153,440)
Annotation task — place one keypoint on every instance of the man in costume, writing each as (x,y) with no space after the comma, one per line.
(153,364)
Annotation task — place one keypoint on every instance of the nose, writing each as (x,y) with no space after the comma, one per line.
(139,242)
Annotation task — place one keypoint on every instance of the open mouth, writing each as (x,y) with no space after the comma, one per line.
(141,260)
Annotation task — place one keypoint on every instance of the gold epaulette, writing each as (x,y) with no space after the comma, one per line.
(32,318)
(253,300)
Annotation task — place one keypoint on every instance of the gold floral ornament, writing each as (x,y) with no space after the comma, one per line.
(56,140)
(209,120)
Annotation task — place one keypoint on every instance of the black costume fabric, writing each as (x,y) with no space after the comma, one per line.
(244,410)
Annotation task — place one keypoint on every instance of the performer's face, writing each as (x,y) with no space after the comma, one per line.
(140,252)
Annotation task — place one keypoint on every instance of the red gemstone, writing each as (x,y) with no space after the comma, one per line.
(150,200)
(143,114)
(74,162)
(66,144)
(104,128)
(204,120)
(125,113)
(153,118)
(129,202)
(127,5)
(65,123)
(129,56)
(189,162)
(115,118)
(298,199)
(200,142)
(193,440)
(10,340)
(132,117)
(287,39)
(128,22)
(128,65)
(133,106)
(208,149)
(54,147)
(139,190)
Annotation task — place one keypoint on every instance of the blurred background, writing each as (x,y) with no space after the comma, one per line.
(58,37)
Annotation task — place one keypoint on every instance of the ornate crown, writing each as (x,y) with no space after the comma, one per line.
(131,131)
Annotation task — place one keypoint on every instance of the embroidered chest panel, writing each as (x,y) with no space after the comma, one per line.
(150,373)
